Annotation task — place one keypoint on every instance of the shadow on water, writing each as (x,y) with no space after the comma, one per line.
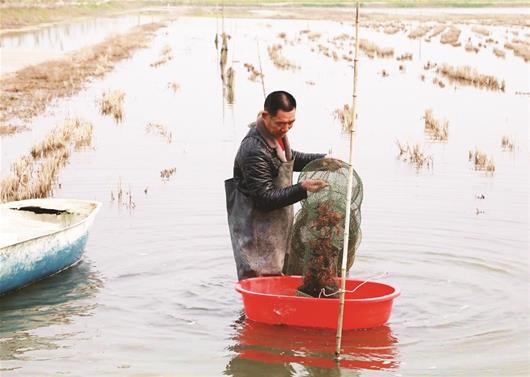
(52,301)
(267,350)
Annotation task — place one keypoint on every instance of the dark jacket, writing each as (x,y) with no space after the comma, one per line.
(256,165)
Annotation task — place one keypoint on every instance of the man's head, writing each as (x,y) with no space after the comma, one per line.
(279,113)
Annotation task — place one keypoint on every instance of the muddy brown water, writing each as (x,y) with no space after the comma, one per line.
(154,294)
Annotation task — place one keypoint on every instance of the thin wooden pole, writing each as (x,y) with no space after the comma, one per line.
(349,193)
(261,70)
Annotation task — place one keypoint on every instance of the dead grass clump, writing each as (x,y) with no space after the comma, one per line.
(437,130)
(174,86)
(27,92)
(254,73)
(414,155)
(437,81)
(438,29)
(451,37)
(167,173)
(313,36)
(470,76)
(344,116)
(519,48)
(111,103)
(10,129)
(419,32)
(384,73)
(161,130)
(34,175)
(224,53)
(499,53)
(165,56)
(405,56)
(392,29)
(279,60)
(471,48)
(372,50)
(481,30)
(429,65)
(230,82)
(481,161)
(507,144)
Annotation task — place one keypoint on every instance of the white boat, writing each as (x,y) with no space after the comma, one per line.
(41,237)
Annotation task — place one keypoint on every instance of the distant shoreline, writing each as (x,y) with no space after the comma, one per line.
(22,15)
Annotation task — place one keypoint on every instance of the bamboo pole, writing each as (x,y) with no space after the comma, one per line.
(260,70)
(349,194)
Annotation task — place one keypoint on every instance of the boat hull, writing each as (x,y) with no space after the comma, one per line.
(26,262)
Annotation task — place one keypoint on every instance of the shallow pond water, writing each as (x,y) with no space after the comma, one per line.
(154,294)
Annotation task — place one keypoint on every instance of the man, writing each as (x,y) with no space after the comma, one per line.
(259,197)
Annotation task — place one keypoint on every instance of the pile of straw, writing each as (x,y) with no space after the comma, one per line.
(451,37)
(372,50)
(414,155)
(279,60)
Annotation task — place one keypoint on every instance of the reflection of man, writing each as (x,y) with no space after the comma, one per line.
(259,197)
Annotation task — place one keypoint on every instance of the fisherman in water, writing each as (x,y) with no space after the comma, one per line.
(260,196)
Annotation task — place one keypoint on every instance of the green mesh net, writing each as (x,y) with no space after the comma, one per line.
(318,229)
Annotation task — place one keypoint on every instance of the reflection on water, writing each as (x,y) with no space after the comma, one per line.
(53,301)
(269,350)
(70,36)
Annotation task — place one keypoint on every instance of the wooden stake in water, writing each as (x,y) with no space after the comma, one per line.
(260,70)
(349,194)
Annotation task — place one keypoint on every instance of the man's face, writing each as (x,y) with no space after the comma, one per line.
(279,124)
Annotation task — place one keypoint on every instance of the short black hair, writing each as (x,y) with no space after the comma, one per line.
(279,100)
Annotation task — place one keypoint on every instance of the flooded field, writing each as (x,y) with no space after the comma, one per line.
(154,294)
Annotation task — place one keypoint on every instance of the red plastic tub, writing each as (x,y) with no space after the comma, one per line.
(273,300)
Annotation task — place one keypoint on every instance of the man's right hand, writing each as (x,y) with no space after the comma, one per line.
(313,185)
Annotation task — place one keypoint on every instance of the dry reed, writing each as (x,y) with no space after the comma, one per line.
(419,32)
(438,29)
(10,129)
(164,57)
(344,117)
(451,37)
(161,130)
(27,92)
(167,173)
(34,175)
(279,60)
(481,31)
(519,48)
(499,53)
(437,130)
(507,144)
(414,155)
(372,50)
(174,86)
(481,161)
(392,28)
(405,56)
(470,76)
(469,47)
(254,73)
(111,103)
(437,81)
(230,82)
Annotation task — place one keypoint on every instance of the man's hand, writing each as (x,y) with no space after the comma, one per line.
(331,164)
(313,185)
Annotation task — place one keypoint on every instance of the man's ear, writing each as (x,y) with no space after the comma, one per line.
(265,115)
